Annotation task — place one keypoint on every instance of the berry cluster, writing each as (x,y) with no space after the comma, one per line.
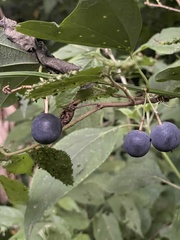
(164,137)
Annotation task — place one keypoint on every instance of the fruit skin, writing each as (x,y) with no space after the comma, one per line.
(46,128)
(165,137)
(137,143)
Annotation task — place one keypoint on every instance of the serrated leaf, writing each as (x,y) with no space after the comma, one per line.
(88,149)
(119,25)
(16,191)
(164,42)
(56,162)
(65,83)
(21,164)
(106,227)
(12,55)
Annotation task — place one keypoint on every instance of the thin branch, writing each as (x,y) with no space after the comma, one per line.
(160,5)
(7,154)
(167,182)
(8,90)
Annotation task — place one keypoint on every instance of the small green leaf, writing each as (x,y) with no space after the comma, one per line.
(165,42)
(119,25)
(19,236)
(82,236)
(106,227)
(172,73)
(130,214)
(15,219)
(21,164)
(56,162)
(16,191)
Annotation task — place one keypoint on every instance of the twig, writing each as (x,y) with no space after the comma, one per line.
(123,88)
(6,154)
(154,110)
(123,79)
(160,5)
(167,182)
(98,107)
(8,90)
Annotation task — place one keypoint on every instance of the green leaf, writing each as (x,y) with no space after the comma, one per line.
(82,237)
(56,162)
(172,232)
(19,236)
(10,216)
(12,55)
(88,193)
(72,50)
(68,204)
(88,149)
(106,227)
(172,73)
(136,174)
(15,74)
(20,135)
(119,25)
(65,82)
(16,191)
(125,209)
(21,164)
(76,220)
(165,42)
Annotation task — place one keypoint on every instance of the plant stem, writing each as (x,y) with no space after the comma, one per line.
(154,110)
(6,154)
(173,167)
(140,72)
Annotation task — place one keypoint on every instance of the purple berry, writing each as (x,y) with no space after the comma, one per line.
(46,128)
(165,137)
(137,143)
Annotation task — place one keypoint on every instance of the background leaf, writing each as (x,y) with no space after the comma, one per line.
(88,149)
(12,55)
(119,25)
(16,191)
(21,164)
(165,42)
(105,227)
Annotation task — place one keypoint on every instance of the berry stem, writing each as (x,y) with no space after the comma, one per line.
(46,105)
(153,108)
(173,167)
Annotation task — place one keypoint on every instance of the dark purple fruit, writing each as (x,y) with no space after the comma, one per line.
(137,143)
(165,137)
(46,128)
